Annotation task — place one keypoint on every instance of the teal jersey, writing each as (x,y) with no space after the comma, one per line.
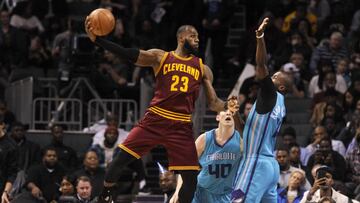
(219,163)
(261,130)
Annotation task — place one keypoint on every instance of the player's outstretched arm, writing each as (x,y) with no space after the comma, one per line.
(144,58)
(261,70)
(214,102)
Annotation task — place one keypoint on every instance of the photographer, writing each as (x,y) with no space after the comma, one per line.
(322,187)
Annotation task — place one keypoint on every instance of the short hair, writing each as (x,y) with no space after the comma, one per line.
(289,131)
(327,198)
(48,148)
(182,29)
(293,145)
(84,179)
(282,148)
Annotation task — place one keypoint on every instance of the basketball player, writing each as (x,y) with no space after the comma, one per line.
(258,173)
(219,152)
(167,121)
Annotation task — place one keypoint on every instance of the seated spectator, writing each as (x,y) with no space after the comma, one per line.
(342,69)
(353,163)
(167,182)
(299,13)
(326,156)
(29,152)
(289,139)
(83,190)
(318,134)
(333,119)
(107,150)
(295,156)
(297,58)
(24,19)
(44,179)
(331,51)
(6,114)
(245,108)
(39,55)
(92,169)
(321,82)
(326,200)
(323,187)
(298,89)
(248,90)
(329,85)
(282,156)
(293,193)
(67,189)
(66,155)
(111,120)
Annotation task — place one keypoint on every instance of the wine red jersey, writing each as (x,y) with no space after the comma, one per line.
(177,87)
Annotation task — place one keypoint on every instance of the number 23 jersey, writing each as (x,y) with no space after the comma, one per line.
(219,163)
(177,86)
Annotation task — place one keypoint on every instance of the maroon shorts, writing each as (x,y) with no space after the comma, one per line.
(175,136)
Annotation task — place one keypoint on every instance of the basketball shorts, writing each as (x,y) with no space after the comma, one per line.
(176,136)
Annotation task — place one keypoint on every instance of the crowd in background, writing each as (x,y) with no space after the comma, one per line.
(317,42)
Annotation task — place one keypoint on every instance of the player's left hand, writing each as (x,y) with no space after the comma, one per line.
(262,27)
(233,104)
(89,29)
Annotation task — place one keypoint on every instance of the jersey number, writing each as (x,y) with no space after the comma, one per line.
(220,170)
(175,86)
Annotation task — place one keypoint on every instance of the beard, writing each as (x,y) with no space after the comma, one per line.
(49,165)
(190,49)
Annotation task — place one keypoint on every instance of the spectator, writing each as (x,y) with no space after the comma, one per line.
(67,189)
(8,164)
(342,69)
(330,51)
(39,55)
(92,169)
(298,88)
(107,150)
(248,90)
(6,114)
(246,108)
(297,58)
(29,152)
(167,182)
(13,45)
(333,119)
(323,187)
(65,154)
(293,193)
(84,190)
(44,179)
(353,163)
(282,156)
(300,12)
(289,139)
(318,134)
(321,9)
(25,20)
(295,156)
(111,120)
(326,156)
(326,200)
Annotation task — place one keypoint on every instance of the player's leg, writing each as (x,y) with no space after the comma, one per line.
(138,142)
(270,196)
(188,187)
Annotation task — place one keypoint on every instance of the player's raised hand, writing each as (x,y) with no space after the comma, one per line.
(89,28)
(262,27)
(232,104)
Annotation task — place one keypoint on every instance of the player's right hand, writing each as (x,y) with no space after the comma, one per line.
(89,29)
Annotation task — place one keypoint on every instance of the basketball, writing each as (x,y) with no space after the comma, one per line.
(102,20)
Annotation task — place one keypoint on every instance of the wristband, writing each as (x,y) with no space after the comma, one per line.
(261,36)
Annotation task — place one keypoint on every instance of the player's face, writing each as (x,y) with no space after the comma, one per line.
(192,39)
(225,118)
(279,81)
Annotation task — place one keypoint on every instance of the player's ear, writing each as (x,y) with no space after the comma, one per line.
(218,117)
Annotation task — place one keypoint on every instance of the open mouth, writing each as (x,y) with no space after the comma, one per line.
(228,118)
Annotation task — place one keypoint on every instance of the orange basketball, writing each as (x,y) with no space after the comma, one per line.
(102,20)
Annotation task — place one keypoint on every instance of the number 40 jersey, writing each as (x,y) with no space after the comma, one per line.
(219,164)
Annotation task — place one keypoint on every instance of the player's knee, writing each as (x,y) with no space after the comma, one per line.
(121,160)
